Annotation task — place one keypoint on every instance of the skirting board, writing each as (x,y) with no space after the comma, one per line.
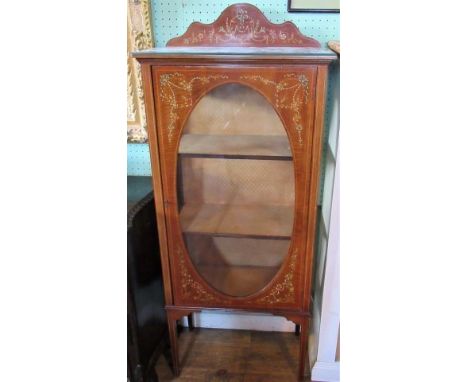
(326,372)
(241,321)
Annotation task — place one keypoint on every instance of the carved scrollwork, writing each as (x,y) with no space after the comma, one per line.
(291,93)
(283,291)
(139,36)
(176,92)
(192,289)
(243,25)
(131,104)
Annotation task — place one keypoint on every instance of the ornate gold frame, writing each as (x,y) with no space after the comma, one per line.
(139,36)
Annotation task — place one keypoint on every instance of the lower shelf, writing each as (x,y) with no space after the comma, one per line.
(239,281)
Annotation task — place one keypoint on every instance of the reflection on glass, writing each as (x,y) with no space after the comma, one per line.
(236,190)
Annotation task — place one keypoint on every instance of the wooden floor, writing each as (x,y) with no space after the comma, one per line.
(215,355)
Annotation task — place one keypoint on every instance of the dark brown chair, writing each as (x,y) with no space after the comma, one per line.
(146,317)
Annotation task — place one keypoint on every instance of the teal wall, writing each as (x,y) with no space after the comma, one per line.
(138,159)
(171,18)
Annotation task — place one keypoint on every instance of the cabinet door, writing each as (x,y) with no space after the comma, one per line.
(235,146)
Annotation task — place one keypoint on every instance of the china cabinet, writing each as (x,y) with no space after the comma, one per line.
(235,118)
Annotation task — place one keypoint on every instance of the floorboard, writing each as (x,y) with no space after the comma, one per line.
(220,355)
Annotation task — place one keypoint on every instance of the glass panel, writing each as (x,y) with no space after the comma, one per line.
(236,190)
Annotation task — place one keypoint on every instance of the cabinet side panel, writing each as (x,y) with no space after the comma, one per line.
(157,185)
(320,97)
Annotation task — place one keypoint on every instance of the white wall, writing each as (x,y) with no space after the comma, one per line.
(243,321)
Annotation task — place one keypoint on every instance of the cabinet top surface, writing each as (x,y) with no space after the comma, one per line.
(246,52)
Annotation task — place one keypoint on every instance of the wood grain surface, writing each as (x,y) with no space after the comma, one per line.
(243,25)
(217,355)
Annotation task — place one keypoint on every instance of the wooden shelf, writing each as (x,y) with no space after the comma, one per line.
(267,147)
(269,222)
(237,280)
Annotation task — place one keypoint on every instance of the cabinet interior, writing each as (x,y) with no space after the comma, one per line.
(235,189)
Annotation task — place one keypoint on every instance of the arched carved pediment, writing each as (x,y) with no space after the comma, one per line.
(243,25)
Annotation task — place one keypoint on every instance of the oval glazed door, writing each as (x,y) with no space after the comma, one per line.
(235,190)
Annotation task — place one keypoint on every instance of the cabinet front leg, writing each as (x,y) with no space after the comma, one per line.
(172,326)
(303,354)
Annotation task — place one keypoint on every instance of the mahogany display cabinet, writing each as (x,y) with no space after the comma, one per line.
(235,115)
